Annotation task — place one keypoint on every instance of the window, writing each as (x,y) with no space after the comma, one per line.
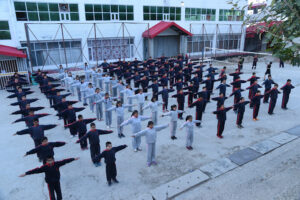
(197,43)
(231,15)
(97,12)
(228,41)
(4,31)
(200,14)
(162,13)
(55,50)
(38,11)
(110,48)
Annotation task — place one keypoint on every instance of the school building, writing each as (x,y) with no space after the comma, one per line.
(73,32)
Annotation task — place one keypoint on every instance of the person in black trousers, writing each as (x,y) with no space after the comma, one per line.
(255,59)
(109,155)
(255,101)
(221,116)
(94,141)
(281,63)
(268,85)
(286,93)
(240,108)
(199,103)
(273,96)
(80,126)
(36,132)
(180,100)
(45,149)
(52,175)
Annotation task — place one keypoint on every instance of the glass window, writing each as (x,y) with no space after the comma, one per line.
(172,16)
(89,16)
(74,16)
(178,17)
(44,16)
(122,16)
(172,9)
(122,8)
(159,9)
(130,17)
(98,16)
(21,16)
(5,35)
(97,8)
(178,10)
(146,9)
(31,6)
(4,25)
(166,10)
(114,8)
(88,8)
(130,9)
(33,16)
(187,11)
(20,6)
(54,16)
(153,16)
(106,8)
(146,17)
(43,6)
(106,16)
(153,9)
(73,7)
(53,7)
(159,17)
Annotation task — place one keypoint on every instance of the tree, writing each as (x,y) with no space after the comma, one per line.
(281,36)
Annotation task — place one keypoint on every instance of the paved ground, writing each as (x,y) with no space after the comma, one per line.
(273,176)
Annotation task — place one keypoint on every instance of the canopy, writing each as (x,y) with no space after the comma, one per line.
(162,26)
(11,51)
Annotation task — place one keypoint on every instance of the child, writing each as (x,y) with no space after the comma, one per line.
(255,101)
(99,109)
(109,155)
(141,99)
(174,117)
(52,175)
(154,108)
(80,127)
(36,132)
(240,109)
(129,92)
(136,126)
(119,108)
(286,93)
(83,87)
(150,134)
(189,124)
(221,116)
(220,100)
(268,85)
(180,100)
(107,101)
(94,140)
(165,97)
(90,95)
(29,119)
(45,150)
(199,109)
(273,96)
(222,87)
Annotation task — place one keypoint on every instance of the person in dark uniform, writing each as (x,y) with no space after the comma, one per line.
(255,102)
(240,107)
(221,116)
(109,155)
(52,175)
(286,93)
(273,96)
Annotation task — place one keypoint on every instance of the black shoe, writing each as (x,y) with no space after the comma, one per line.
(241,126)
(172,137)
(115,180)
(119,135)
(175,138)
(109,183)
(85,104)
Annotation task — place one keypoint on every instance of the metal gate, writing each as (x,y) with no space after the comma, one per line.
(166,45)
(10,65)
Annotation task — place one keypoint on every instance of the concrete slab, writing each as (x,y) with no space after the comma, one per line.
(294,131)
(283,138)
(179,185)
(218,167)
(243,156)
(265,146)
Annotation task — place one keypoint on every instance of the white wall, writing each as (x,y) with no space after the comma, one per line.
(80,29)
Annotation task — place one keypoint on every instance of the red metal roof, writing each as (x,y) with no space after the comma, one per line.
(161,27)
(11,51)
(259,28)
